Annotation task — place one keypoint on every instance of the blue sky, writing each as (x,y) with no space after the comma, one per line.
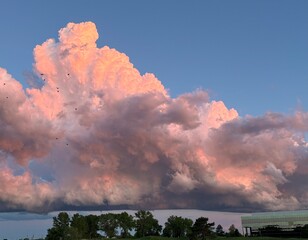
(253,55)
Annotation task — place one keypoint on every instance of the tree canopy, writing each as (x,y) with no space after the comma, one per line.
(60,229)
(177,227)
(202,228)
(146,224)
(143,223)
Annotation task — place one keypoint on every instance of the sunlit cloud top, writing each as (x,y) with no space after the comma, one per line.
(92,131)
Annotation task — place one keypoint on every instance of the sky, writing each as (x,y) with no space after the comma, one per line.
(153,104)
(251,54)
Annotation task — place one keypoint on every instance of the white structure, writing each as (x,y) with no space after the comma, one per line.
(285,220)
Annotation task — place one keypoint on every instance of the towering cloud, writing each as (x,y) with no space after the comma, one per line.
(98,132)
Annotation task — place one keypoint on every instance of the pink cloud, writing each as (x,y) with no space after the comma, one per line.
(100,132)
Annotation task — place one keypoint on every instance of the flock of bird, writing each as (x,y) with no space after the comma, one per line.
(57,89)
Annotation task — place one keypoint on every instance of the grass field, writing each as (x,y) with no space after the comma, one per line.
(254,238)
(220,238)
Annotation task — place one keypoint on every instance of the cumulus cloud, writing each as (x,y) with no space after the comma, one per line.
(97,132)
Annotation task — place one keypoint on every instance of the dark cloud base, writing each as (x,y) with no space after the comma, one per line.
(92,133)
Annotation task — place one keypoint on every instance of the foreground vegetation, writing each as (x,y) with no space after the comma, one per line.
(255,238)
(141,225)
(210,238)
(144,226)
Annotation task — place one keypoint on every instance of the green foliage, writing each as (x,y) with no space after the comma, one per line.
(302,232)
(111,223)
(276,231)
(62,221)
(73,234)
(177,227)
(60,229)
(108,223)
(202,229)
(53,234)
(271,231)
(79,226)
(146,224)
(219,230)
(92,223)
(233,231)
(126,223)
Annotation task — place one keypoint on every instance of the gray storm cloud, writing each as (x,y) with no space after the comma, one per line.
(98,132)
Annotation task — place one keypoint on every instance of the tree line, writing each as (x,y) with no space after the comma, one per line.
(278,232)
(124,225)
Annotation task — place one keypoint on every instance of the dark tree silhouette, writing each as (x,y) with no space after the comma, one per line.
(233,231)
(219,230)
(177,227)
(92,222)
(146,224)
(126,223)
(79,226)
(271,231)
(202,228)
(60,229)
(108,223)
